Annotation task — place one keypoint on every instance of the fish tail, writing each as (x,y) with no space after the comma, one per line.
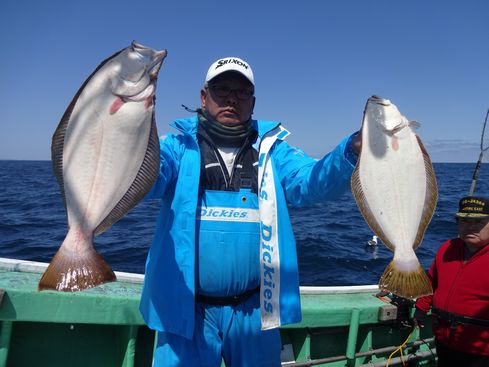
(408,282)
(72,271)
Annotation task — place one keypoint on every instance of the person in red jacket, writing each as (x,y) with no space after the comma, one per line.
(460,302)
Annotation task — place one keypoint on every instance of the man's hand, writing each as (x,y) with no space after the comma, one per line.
(419,318)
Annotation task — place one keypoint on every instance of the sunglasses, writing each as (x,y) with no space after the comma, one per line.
(223,92)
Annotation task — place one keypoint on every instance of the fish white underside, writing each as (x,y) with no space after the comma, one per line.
(396,188)
(102,152)
(394,185)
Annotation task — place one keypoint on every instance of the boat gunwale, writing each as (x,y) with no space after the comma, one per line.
(27,266)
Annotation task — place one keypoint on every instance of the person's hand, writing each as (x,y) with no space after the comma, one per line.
(419,318)
(356,143)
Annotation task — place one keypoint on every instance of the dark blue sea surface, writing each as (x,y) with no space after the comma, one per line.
(331,238)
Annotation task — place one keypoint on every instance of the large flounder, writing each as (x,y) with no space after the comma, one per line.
(395,188)
(105,155)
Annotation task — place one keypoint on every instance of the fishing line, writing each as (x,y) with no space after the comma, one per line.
(188,109)
(399,349)
(478,165)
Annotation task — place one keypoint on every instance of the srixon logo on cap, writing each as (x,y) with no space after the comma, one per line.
(231,61)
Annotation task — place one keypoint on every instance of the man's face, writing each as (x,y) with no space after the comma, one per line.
(228,99)
(474,232)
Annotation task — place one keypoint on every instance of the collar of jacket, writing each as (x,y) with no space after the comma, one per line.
(460,245)
(189,126)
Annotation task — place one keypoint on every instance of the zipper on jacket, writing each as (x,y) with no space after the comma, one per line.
(222,165)
(237,157)
(228,178)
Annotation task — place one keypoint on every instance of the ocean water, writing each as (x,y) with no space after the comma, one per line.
(331,238)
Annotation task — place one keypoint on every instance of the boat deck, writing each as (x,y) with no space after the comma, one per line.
(102,326)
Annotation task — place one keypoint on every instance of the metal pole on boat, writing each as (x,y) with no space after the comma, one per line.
(5,336)
(411,357)
(352,337)
(481,155)
(429,354)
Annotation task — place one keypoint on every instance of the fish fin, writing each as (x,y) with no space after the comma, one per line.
(144,181)
(409,284)
(362,203)
(71,271)
(57,142)
(396,128)
(57,145)
(431,197)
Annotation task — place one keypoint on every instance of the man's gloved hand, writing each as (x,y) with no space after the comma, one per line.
(419,318)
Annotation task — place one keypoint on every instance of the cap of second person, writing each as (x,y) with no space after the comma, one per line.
(473,207)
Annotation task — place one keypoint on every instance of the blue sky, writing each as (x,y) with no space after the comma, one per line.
(315,63)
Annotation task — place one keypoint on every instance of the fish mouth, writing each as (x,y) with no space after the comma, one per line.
(138,81)
(158,56)
(155,66)
(147,51)
(154,69)
(379,100)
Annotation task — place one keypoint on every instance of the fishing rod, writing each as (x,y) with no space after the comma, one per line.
(478,165)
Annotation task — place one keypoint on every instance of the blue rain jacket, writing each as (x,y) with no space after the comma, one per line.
(168,297)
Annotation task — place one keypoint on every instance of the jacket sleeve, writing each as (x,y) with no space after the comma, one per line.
(424,303)
(169,161)
(306,180)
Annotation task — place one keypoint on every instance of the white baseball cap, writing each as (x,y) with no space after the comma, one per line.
(230,64)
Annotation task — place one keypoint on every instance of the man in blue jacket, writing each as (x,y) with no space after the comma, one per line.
(222,274)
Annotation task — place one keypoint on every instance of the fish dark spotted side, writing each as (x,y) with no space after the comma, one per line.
(105,155)
(395,188)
